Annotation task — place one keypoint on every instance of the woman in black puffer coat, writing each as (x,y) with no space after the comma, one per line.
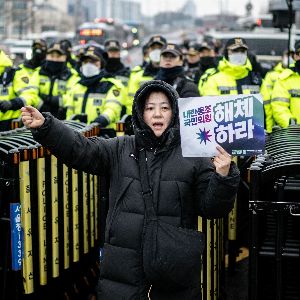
(182,188)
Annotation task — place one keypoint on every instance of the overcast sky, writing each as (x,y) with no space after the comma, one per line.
(204,7)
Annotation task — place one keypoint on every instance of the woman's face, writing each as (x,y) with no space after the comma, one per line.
(157,112)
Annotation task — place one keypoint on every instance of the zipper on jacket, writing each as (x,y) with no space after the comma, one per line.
(85,99)
(132,155)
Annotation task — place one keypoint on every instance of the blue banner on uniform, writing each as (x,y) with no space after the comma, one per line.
(16,236)
(235,122)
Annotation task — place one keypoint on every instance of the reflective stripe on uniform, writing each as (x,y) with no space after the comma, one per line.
(267,102)
(114,101)
(280,99)
(27,88)
(255,88)
(226,88)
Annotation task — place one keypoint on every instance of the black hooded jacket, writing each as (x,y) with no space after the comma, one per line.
(182,189)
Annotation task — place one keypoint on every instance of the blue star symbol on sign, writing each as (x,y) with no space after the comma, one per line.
(204,136)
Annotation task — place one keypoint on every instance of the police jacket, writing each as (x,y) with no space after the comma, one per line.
(193,71)
(15,88)
(52,90)
(122,74)
(117,71)
(286,97)
(182,189)
(28,67)
(266,91)
(229,79)
(94,97)
(19,90)
(137,78)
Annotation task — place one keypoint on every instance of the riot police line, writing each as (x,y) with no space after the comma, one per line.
(60,215)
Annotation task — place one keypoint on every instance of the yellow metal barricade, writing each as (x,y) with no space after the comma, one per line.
(55,219)
(75,213)
(26,223)
(213,258)
(66,216)
(85,206)
(92,210)
(42,216)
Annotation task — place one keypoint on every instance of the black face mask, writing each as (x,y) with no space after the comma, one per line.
(169,74)
(194,65)
(113,64)
(39,53)
(54,67)
(38,56)
(207,62)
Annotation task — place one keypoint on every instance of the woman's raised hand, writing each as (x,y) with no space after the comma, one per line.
(31,117)
(222,161)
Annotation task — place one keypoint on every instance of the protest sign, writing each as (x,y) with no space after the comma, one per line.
(236,122)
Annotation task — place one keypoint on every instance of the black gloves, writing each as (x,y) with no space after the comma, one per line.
(13,104)
(101,120)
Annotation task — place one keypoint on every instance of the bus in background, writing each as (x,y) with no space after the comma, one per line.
(106,28)
(91,31)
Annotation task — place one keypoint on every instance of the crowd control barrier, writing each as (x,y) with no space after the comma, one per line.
(274,259)
(52,222)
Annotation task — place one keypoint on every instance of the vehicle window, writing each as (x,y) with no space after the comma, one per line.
(266,23)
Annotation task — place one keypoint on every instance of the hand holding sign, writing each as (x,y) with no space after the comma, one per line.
(222,161)
(236,122)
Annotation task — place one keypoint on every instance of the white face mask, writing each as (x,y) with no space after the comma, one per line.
(154,55)
(238,58)
(90,70)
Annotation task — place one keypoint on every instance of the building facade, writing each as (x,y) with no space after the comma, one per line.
(121,10)
(22,18)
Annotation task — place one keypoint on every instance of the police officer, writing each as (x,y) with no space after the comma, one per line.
(16,91)
(54,79)
(99,97)
(268,85)
(172,71)
(207,56)
(39,50)
(72,63)
(192,66)
(139,76)
(113,66)
(234,74)
(286,94)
